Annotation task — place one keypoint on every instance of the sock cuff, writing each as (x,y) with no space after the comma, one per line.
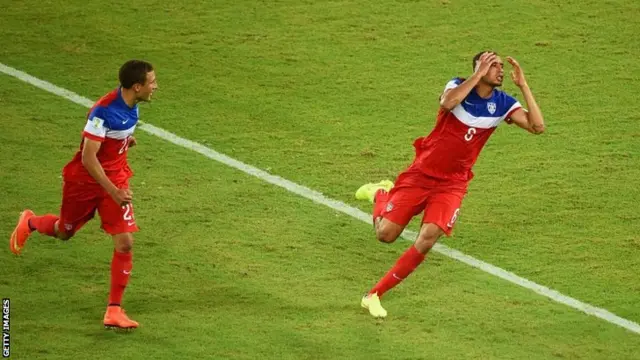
(122,256)
(415,253)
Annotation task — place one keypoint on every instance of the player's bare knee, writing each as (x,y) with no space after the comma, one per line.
(123,242)
(386,234)
(387,231)
(64,235)
(124,248)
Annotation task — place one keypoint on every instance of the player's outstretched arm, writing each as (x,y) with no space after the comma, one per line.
(532,119)
(92,164)
(452,97)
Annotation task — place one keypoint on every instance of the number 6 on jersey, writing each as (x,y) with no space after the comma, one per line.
(469,135)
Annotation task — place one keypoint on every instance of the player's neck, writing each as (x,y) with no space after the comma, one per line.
(484,90)
(129,97)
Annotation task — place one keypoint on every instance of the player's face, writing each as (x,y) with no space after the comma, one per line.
(144,92)
(496,74)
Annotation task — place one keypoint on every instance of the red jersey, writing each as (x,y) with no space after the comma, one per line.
(112,122)
(453,146)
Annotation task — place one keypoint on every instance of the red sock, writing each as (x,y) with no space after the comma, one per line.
(45,224)
(380,200)
(403,267)
(121,265)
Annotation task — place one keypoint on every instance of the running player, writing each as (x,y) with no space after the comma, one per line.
(437,180)
(97,179)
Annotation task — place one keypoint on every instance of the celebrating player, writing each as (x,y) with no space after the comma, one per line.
(437,180)
(97,178)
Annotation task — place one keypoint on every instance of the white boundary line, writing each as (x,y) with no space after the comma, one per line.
(334,204)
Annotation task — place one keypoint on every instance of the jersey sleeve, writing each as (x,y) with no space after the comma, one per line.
(97,125)
(453,83)
(512,105)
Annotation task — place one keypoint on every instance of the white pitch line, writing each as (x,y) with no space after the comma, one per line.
(335,204)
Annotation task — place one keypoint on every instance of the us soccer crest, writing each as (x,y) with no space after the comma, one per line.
(491,106)
(389,207)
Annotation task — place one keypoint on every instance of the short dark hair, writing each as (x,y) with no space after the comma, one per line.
(134,72)
(477,57)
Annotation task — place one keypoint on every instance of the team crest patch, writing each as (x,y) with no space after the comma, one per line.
(389,207)
(491,106)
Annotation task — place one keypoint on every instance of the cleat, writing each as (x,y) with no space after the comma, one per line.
(21,232)
(371,302)
(115,318)
(368,191)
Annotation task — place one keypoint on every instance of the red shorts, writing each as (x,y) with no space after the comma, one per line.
(80,202)
(415,192)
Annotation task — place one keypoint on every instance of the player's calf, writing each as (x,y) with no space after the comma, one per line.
(427,238)
(121,266)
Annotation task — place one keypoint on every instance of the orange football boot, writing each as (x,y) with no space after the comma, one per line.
(115,318)
(21,232)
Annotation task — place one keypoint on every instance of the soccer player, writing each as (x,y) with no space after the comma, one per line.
(97,178)
(437,180)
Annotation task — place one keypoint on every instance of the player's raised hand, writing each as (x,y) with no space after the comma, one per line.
(122,196)
(517,75)
(484,63)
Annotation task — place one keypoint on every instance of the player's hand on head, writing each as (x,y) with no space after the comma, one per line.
(122,196)
(517,75)
(484,63)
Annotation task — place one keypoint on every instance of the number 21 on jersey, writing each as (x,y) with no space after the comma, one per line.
(127,214)
(125,145)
